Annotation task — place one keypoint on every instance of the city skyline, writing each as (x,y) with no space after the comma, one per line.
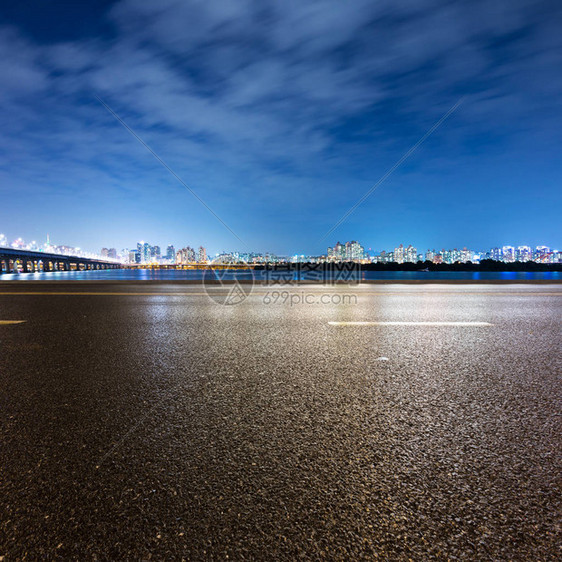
(145,253)
(281,123)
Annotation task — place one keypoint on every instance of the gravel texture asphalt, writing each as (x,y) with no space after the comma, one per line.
(162,425)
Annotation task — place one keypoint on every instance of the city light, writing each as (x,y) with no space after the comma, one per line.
(351,251)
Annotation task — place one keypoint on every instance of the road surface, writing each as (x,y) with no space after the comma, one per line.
(412,422)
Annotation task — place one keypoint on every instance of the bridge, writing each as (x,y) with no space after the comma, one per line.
(13,260)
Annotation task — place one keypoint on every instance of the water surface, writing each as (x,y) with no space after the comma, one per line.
(194,275)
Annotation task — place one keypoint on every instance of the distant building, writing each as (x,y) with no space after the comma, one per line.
(524,253)
(171,254)
(410,254)
(405,255)
(145,252)
(399,254)
(202,255)
(542,254)
(109,253)
(350,251)
(508,254)
(186,255)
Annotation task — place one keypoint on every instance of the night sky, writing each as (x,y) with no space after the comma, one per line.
(280,115)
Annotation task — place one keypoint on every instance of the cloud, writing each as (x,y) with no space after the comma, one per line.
(270,96)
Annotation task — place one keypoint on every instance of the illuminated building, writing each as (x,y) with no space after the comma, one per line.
(186,255)
(508,254)
(143,248)
(542,254)
(109,253)
(524,253)
(410,254)
(350,251)
(171,254)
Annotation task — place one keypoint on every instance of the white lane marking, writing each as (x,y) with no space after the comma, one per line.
(382,359)
(410,324)
(6,322)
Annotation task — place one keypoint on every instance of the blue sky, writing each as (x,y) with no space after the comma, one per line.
(280,116)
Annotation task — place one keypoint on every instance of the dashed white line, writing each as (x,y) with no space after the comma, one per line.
(410,323)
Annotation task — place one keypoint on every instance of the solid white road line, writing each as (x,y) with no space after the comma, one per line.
(409,324)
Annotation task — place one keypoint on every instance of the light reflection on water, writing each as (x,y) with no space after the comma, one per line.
(194,275)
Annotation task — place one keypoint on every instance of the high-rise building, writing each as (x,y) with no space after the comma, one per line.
(429,255)
(524,253)
(399,254)
(542,254)
(186,255)
(202,255)
(171,253)
(350,251)
(339,251)
(446,256)
(508,254)
(145,253)
(410,254)
(155,253)
(109,253)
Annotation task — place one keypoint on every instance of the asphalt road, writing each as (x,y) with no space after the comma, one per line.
(146,421)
